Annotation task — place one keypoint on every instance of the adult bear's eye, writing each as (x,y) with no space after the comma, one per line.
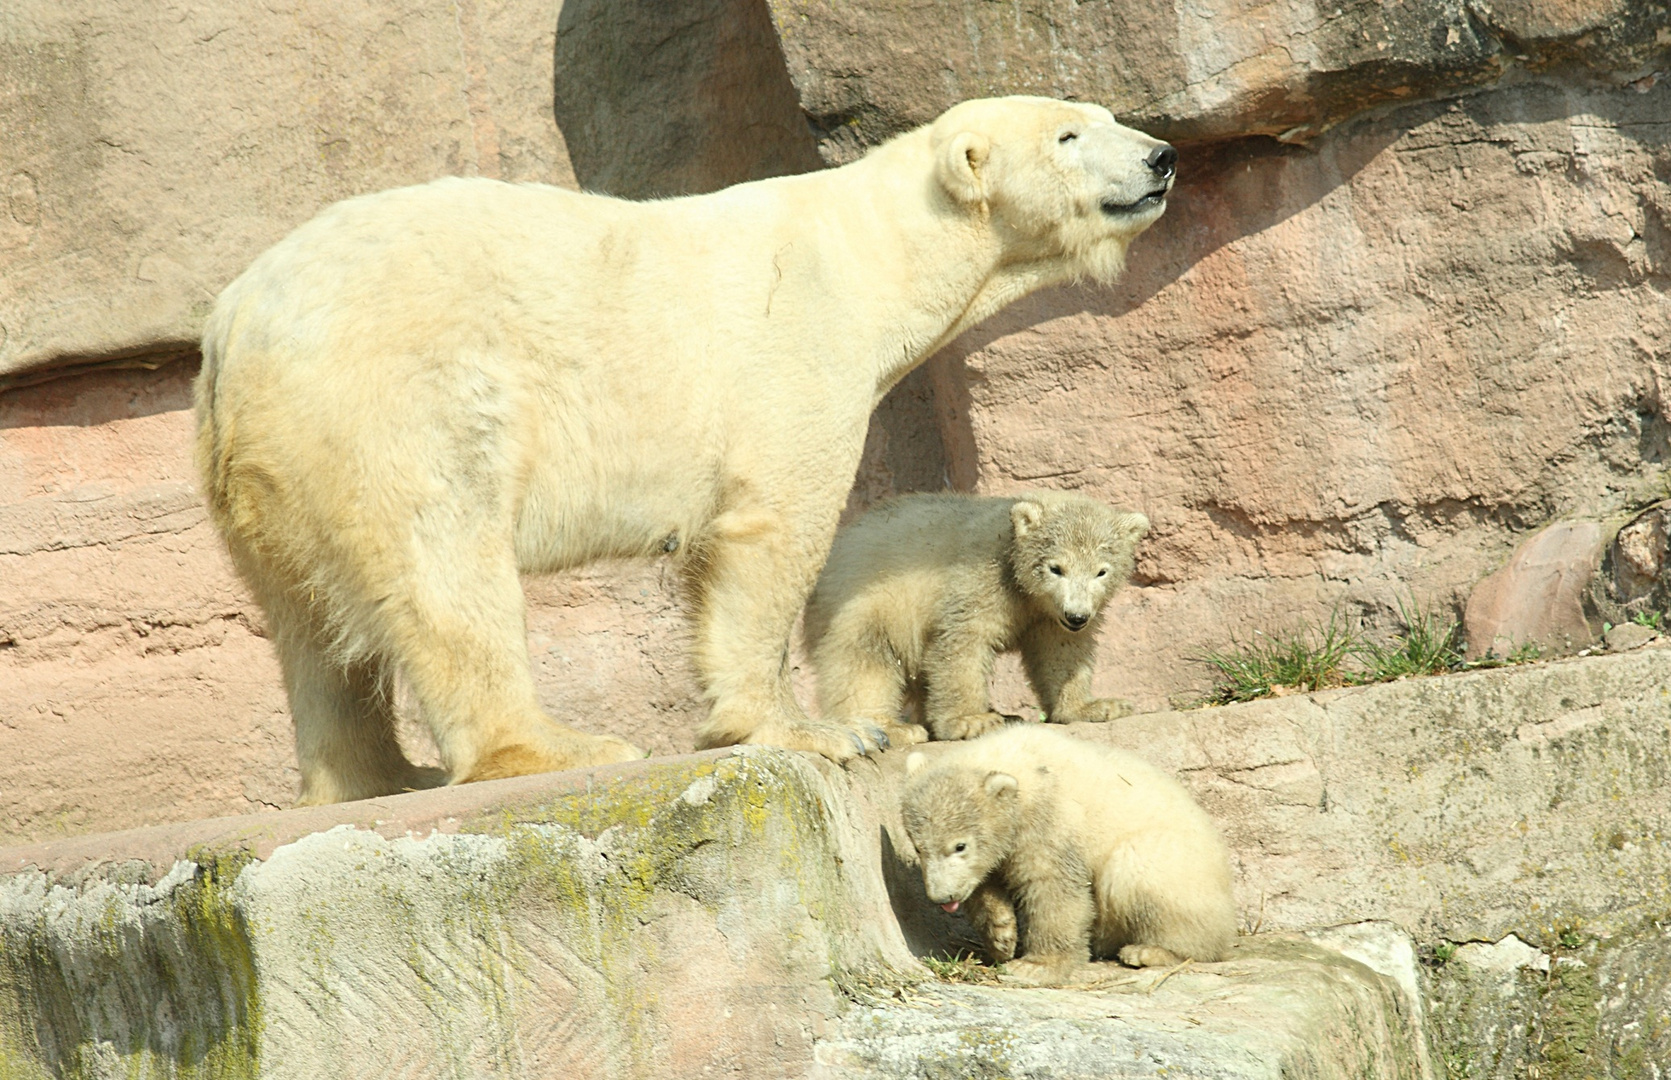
(959,848)
(1103,572)
(1054,569)
(1067,136)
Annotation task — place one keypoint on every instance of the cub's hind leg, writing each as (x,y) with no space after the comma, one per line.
(861,684)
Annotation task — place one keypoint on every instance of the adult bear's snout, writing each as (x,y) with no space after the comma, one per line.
(1162,161)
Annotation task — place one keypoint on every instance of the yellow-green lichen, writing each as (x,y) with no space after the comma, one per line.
(168,989)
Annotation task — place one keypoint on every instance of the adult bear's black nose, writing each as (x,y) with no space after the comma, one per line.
(1075,620)
(1163,161)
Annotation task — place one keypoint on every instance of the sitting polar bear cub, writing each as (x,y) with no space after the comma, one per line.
(920,593)
(422,393)
(1105,855)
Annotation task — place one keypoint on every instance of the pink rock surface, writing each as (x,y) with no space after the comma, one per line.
(1538,598)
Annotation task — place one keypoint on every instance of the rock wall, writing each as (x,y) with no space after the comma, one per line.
(1409,304)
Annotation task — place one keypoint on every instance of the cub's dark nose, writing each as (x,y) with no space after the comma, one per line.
(1162,161)
(1076,622)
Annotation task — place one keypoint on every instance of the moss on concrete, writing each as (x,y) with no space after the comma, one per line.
(158,983)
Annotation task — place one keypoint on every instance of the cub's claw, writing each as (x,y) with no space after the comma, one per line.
(878,736)
(858,744)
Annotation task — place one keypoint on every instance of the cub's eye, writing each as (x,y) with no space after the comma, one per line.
(1054,569)
(1067,136)
(1103,572)
(959,847)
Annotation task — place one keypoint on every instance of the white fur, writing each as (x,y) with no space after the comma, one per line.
(1104,854)
(920,594)
(423,392)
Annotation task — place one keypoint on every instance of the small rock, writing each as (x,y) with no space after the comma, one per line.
(1629,636)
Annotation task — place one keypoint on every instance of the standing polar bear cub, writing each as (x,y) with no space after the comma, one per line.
(920,594)
(422,393)
(1105,855)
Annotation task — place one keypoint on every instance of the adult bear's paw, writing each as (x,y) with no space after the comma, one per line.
(563,750)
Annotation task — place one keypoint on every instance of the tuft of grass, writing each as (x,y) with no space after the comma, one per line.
(963,969)
(1428,646)
(1333,654)
(1650,619)
(1274,664)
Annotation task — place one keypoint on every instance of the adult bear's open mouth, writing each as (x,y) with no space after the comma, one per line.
(1152,199)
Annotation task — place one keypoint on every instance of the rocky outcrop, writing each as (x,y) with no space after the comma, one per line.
(1193,72)
(152,150)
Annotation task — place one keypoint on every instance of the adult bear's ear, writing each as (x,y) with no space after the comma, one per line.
(999,784)
(962,166)
(1137,526)
(1024,516)
(914,762)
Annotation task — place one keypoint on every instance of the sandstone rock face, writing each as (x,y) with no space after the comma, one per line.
(676,99)
(154,149)
(867,69)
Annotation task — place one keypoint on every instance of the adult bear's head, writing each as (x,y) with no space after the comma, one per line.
(1060,181)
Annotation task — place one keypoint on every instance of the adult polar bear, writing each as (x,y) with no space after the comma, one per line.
(422,392)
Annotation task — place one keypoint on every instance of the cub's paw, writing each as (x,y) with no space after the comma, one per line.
(1099,711)
(900,735)
(999,933)
(1042,970)
(1138,956)
(837,742)
(971,725)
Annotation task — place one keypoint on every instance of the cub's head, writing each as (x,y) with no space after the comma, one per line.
(962,822)
(1070,554)
(1061,181)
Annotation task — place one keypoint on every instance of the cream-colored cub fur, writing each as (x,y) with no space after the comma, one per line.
(921,593)
(1104,855)
(422,393)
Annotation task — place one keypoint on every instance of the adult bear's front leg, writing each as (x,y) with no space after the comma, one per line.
(749,577)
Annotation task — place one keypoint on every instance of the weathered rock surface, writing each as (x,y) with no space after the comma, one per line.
(723,913)
(1525,800)
(1277,1008)
(1227,69)
(153,149)
(1538,599)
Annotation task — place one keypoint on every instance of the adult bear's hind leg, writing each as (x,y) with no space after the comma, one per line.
(346,745)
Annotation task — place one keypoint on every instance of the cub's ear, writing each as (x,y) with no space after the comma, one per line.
(914,762)
(1136,526)
(962,166)
(1024,516)
(1000,784)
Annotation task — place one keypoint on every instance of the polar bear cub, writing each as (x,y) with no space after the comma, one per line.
(1104,855)
(920,594)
